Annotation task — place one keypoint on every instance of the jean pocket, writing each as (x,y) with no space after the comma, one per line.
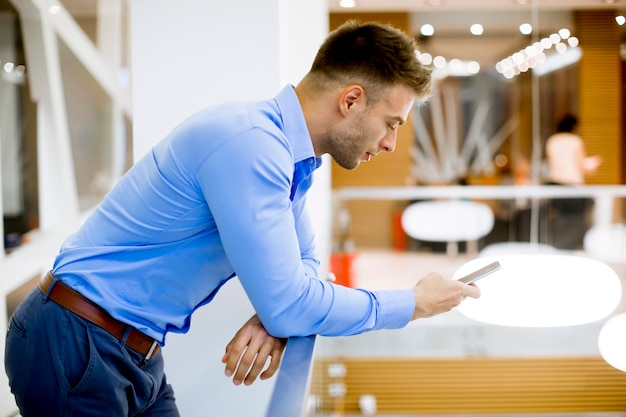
(79,354)
(17,326)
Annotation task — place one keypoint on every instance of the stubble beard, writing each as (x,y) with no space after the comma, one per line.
(345,147)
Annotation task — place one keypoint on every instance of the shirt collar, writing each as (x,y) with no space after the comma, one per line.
(294,125)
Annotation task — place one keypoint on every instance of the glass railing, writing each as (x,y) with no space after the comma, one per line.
(290,397)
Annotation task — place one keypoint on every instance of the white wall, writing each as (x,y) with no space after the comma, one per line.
(185,56)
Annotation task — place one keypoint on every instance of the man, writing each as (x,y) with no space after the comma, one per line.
(222,195)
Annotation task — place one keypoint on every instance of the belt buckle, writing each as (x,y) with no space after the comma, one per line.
(151,350)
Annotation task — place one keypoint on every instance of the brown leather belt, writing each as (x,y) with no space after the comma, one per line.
(87,309)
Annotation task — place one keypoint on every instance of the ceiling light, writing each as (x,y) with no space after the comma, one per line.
(542,290)
(526,28)
(564,33)
(427,30)
(456,65)
(620,20)
(439,62)
(426,58)
(573,41)
(476,29)
(533,55)
(555,38)
(612,341)
(473,67)
(347,4)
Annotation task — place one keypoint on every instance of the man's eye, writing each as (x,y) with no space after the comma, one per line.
(393,126)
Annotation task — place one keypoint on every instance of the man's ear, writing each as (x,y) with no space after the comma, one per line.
(351,96)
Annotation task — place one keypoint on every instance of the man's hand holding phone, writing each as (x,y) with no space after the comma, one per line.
(435,294)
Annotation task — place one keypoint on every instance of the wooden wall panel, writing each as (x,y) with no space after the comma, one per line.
(475,385)
(600,93)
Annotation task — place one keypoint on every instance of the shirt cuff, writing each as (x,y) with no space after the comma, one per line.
(396,308)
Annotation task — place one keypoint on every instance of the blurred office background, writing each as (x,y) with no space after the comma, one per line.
(87,86)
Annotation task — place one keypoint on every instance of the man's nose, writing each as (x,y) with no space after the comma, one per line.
(388,143)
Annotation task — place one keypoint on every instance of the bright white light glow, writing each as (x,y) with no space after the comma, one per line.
(542,290)
(526,28)
(546,43)
(476,29)
(620,20)
(557,61)
(606,242)
(8,67)
(426,58)
(439,61)
(507,63)
(541,58)
(427,30)
(612,342)
(347,4)
(456,65)
(54,9)
(555,38)
(473,67)
(534,55)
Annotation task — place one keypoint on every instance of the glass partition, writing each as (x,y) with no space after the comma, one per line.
(82,74)
(504,79)
(18,147)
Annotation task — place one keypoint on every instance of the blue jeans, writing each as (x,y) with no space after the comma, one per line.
(60,364)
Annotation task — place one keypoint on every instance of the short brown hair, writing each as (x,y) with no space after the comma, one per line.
(374,55)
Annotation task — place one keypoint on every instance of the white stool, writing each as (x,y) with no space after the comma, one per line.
(450,221)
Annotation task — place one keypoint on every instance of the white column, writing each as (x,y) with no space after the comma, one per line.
(57,188)
(110,44)
(186,56)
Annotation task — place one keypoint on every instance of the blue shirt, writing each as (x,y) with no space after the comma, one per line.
(222,195)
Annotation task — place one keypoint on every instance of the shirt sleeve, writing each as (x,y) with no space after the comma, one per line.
(306,239)
(247,184)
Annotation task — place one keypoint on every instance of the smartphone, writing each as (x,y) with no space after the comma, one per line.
(480,273)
